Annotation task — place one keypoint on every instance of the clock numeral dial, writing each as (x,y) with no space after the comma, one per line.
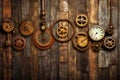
(96,33)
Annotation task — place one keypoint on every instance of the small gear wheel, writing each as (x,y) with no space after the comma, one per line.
(19,43)
(7,25)
(81,20)
(109,43)
(26,28)
(96,46)
(62,31)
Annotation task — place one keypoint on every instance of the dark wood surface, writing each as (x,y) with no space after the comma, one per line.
(61,61)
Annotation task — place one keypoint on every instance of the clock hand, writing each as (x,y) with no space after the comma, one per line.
(84,40)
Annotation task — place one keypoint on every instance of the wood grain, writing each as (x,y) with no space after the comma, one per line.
(63,47)
(93,19)
(26,68)
(1,43)
(54,54)
(71,51)
(34,50)
(16,7)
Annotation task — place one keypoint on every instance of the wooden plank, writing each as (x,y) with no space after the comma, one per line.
(34,51)
(103,74)
(54,54)
(82,57)
(44,55)
(26,68)
(103,57)
(16,7)
(71,51)
(113,72)
(63,47)
(93,19)
(7,51)
(113,55)
(1,44)
(26,72)
(118,39)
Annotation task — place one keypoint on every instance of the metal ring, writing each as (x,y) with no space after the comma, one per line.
(63,39)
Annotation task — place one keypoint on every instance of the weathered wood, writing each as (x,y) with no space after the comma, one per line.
(71,50)
(63,47)
(118,38)
(82,57)
(113,55)
(16,7)
(54,54)
(26,72)
(61,61)
(103,74)
(34,51)
(26,68)
(93,19)
(7,53)
(113,72)
(1,44)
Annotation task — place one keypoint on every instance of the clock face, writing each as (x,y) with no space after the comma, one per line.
(96,33)
(80,41)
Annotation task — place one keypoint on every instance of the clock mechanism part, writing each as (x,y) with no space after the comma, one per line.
(96,33)
(19,43)
(81,20)
(7,25)
(96,46)
(42,38)
(26,27)
(80,41)
(110,29)
(62,33)
(109,43)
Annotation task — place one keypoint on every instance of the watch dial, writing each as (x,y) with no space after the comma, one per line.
(96,33)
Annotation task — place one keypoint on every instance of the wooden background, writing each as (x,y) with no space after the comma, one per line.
(62,61)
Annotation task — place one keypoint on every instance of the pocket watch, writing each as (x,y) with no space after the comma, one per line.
(96,33)
(80,41)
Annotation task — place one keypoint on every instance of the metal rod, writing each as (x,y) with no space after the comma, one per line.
(43,5)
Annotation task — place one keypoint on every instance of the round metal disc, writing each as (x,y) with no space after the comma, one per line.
(80,41)
(109,43)
(43,40)
(26,28)
(7,25)
(19,43)
(81,20)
